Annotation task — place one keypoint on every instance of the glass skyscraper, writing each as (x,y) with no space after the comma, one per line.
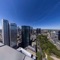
(38,31)
(5,32)
(58,35)
(25,36)
(13,34)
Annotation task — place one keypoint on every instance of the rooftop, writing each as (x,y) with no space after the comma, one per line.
(8,53)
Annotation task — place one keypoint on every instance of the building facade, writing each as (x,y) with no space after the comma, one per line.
(58,35)
(5,32)
(25,36)
(38,31)
(13,34)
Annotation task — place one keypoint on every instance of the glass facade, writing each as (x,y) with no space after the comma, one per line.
(5,32)
(25,35)
(13,34)
(59,35)
(38,31)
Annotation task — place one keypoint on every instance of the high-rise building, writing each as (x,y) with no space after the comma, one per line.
(5,32)
(59,35)
(38,31)
(25,36)
(13,34)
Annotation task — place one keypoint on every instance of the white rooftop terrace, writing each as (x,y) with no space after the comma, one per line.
(8,53)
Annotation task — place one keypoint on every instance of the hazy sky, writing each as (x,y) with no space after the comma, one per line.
(36,13)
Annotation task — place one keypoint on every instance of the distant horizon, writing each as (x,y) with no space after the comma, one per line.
(29,25)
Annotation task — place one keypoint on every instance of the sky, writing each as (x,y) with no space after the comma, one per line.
(35,13)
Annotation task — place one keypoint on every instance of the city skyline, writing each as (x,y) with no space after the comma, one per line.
(37,13)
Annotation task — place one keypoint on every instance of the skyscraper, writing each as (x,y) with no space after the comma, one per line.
(25,36)
(13,34)
(5,32)
(58,35)
(38,31)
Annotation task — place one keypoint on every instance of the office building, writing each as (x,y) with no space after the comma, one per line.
(13,34)
(58,35)
(38,31)
(25,36)
(5,32)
